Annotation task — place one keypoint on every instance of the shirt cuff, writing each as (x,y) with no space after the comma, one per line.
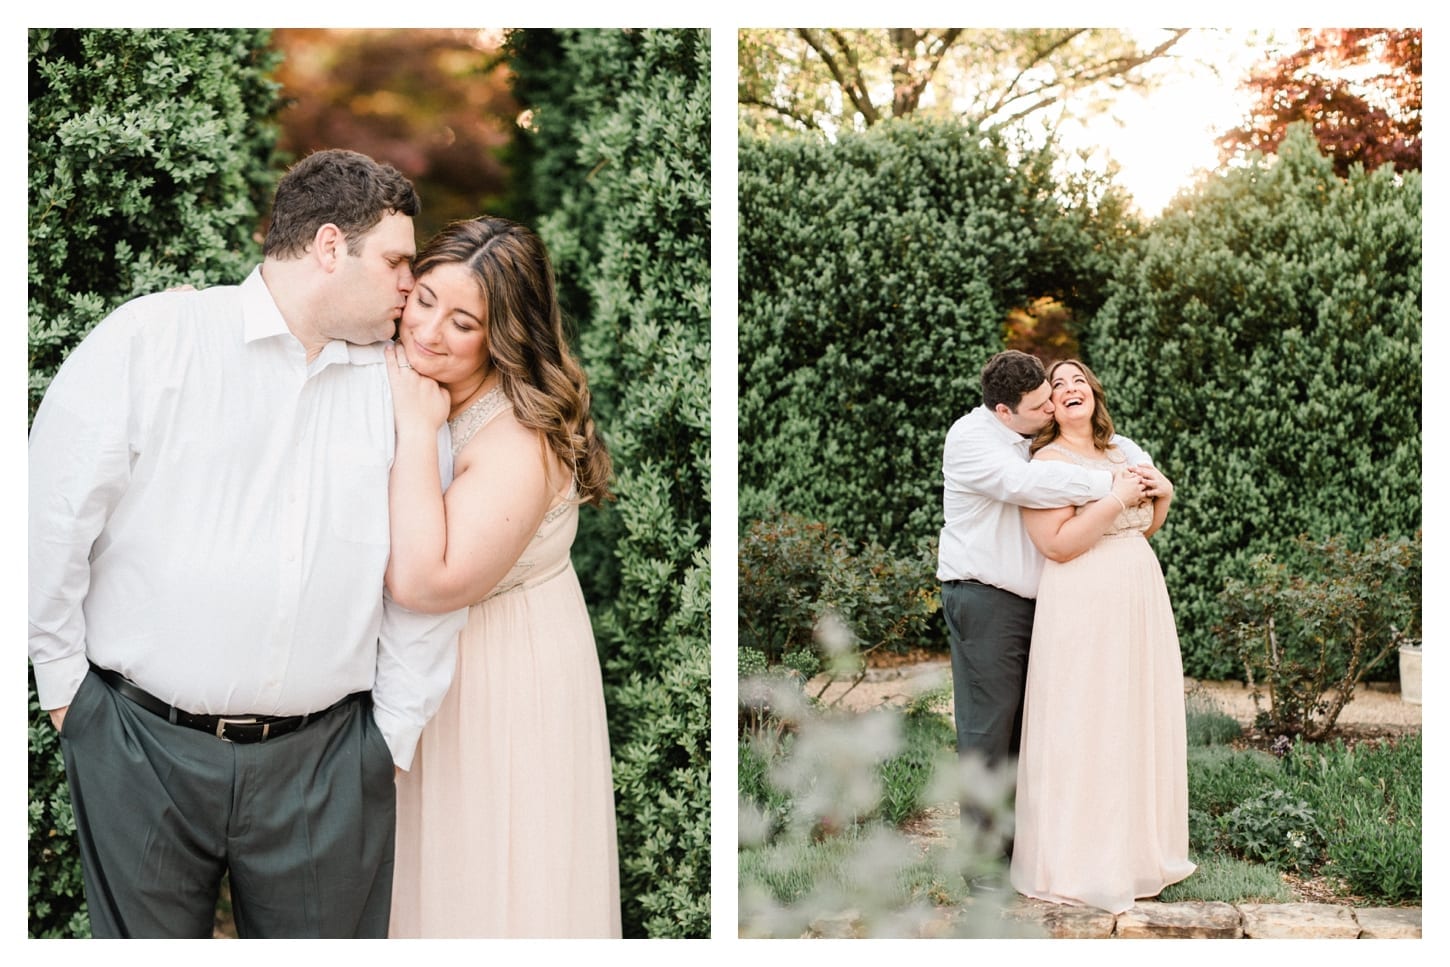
(1102,483)
(58,680)
(400,734)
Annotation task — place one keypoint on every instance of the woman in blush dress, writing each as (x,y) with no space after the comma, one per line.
(506,822)
(1102,780)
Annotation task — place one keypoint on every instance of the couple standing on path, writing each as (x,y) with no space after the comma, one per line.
(267,547)
(1064,650)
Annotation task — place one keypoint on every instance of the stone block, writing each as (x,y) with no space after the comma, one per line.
(1295,921)
(1194,920)
(1389,923)
(1062,921)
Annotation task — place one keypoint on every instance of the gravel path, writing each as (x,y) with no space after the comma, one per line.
(1377,704)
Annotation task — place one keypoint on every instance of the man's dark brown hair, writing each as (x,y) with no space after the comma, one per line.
(344,188)
(1007,376)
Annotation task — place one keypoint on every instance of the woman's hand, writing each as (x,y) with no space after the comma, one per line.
(1155,484)
(419,404)
(1128,488)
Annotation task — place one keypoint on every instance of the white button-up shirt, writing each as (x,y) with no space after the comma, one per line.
(987,477)
(209,518)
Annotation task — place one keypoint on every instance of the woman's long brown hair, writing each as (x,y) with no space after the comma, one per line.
(526,340)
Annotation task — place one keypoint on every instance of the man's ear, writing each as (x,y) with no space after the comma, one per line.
(329,245)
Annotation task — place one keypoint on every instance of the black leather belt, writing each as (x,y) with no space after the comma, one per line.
(229,728)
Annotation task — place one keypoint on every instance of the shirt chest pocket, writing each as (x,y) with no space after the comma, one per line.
(357,505)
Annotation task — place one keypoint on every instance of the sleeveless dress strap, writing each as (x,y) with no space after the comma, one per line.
(466,425)
(463,426)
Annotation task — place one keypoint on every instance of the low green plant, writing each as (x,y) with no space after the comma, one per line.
(821,792)
(1375,857)
(1207,722)
(1228,879)
(1352,813)
(757,752)
(905,777)
(867,882)
(1310,632)
(1370,797)
(1219,777)
(1275,828)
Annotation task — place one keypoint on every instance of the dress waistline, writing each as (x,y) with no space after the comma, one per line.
(530,579)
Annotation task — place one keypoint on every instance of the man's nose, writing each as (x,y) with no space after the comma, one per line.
(405,280)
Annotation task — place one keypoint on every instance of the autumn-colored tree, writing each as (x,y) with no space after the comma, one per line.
(1360,89)
(823,79)
(435,104)
(1046,328)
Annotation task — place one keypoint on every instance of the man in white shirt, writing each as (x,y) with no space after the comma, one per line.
(988,566)
(208,623)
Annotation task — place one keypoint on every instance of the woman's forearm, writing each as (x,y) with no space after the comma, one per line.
(1081,531)
(416,519)
(1160,514)
(1077,533)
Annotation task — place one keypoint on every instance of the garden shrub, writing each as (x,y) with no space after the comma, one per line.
(793,572)
(1309,636)
(150,158)
(876,277)
(57,891)
(1263,342)
(617,161)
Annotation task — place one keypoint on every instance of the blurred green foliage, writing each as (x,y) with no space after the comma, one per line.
(616,158)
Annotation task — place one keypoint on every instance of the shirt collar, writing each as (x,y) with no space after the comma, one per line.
(1006,433)
(261,319)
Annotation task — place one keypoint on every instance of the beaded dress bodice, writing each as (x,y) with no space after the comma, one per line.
(1134,520)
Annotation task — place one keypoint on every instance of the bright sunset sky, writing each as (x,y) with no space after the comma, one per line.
(1162,139)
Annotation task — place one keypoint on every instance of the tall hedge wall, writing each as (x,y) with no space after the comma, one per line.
(1263,341)
(876,277)
(619,162)
(150,157)
(150,161)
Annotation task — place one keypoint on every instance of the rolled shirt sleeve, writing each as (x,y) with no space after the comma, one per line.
(417,654)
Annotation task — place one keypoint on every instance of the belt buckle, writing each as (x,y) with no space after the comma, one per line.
(222,723)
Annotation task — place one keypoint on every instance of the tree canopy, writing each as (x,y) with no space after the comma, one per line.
(1360,90)
(827,79)
(435,104)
